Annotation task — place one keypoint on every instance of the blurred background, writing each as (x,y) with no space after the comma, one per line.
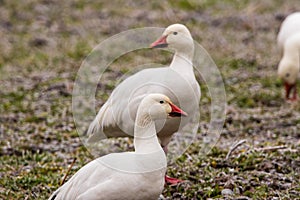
(43,43)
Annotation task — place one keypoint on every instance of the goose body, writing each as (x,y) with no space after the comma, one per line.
(130,175)
(289,27)
(289,43)
(176,81)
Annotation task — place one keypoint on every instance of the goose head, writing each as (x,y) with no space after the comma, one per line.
(176,37)
(288,72)
(159,106)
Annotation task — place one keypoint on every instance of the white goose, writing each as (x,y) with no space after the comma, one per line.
(117,116)
(289,43)
(176,81)
(129,175)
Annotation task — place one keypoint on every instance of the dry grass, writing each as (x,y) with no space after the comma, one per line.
(44,42)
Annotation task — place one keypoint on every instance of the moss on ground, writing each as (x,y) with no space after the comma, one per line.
(43,44)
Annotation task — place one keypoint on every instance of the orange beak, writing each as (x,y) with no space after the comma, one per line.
(160,43)
(176,112)
(288,89)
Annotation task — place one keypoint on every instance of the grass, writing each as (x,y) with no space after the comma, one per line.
(43,44)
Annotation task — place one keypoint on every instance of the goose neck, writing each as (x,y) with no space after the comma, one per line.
(182,64)
(292,49)
(145,138)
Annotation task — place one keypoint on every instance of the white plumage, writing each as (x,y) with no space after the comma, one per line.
(289,43)
(130,175)
(117,116)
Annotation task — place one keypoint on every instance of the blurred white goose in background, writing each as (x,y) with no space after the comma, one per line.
(289,43)
(128,175)
(117,116)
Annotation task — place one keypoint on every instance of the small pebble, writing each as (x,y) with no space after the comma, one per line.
(226,192)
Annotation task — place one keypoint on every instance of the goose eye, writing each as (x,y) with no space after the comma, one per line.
(287,75)
(174,33)
(161,102)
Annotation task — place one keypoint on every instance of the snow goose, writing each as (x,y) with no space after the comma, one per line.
(116,118)
(128,175)
(289,43)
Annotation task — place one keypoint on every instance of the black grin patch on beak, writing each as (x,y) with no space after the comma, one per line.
(175,114)
(161,46)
